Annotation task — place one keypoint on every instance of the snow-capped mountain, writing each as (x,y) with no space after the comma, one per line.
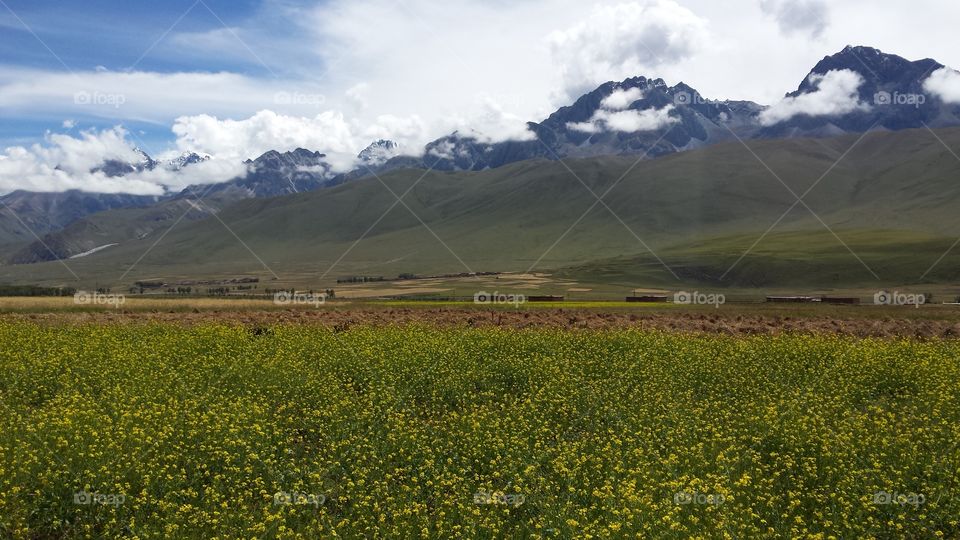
(185,160)
(647,117)
(637,116)
(274,174)
(890,95)
(379,152)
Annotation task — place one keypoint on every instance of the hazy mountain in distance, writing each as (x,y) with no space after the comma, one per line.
(271,175)
(24,211)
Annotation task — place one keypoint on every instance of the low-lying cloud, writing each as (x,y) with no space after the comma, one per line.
(627,121)
(66,163)
(945,84)
(622,98)
(836,94)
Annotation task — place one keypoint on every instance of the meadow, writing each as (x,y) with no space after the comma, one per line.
(162,430)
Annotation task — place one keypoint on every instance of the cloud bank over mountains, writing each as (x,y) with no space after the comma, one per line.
(330,76)
(67,162)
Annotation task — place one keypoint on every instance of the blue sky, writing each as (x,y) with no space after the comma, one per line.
(114,33)
(121,36)
(236,78)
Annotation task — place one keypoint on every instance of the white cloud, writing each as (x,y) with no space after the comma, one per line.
(835,95)
(147,96)
(65,162)
(238,140)
(357,96)
(631,121)
(625,40)
(211,171)
(328,132)
(628,121)
(77,155)
(446,150)
(945,84)
(69,124)
(409,132)
(492,124)
(440,61)
(622,98)
(331,133)
(798,16)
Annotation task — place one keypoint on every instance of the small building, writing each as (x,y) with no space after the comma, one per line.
(792,299)
(841,300)
(648,299)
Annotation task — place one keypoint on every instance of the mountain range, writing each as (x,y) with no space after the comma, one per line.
(288,202)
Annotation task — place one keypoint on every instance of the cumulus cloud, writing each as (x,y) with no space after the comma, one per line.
(798,16)
(249,138)
(328,132)
(212,171)
(624,40)
(492,124)
(945,84)
(408,131)
(65,162)
(81,154)
(836,94)
(625,121)
(622,98)
(331,133)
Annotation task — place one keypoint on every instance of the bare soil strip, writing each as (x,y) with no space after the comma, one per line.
(724,323)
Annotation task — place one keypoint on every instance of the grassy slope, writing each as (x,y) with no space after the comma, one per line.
(892,199)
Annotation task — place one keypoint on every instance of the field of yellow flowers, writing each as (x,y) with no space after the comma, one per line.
(217,431)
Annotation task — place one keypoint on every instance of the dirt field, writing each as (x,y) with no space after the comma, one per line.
(860,323)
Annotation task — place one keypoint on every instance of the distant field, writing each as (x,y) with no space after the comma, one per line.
(934,320)
(163,431)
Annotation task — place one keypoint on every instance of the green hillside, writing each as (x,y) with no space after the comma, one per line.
(892,199)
